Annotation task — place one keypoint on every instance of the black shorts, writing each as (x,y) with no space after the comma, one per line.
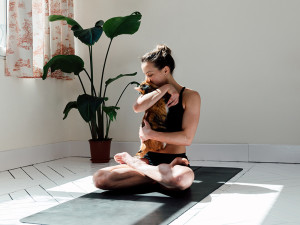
(156,158)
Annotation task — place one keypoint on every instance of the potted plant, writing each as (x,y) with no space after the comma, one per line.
(92,105)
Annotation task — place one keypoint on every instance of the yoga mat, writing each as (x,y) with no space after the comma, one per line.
(135,205)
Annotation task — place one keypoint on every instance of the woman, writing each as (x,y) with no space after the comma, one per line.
(170,168)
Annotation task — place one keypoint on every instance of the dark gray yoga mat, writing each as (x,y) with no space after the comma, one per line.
(135,206)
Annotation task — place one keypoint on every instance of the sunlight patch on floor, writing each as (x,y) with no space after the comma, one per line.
(242,203)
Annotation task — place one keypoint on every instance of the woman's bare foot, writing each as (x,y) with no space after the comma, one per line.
(125,158)
(168,175)
(179,161)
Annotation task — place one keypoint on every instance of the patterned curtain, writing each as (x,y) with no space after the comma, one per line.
(32,40)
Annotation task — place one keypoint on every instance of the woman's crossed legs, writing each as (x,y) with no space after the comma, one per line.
(134,172)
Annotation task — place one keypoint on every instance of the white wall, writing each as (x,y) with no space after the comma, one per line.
(32,111)
(241,56)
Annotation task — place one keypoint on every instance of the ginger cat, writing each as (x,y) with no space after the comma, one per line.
(156,116)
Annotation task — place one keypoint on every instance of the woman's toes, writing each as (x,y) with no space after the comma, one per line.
(179,161)
(122,158)
(186,162)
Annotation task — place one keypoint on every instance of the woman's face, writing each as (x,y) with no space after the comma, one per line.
(153,74)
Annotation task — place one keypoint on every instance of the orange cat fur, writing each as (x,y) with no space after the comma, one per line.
(156,116)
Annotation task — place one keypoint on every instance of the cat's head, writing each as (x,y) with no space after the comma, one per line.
(146,87)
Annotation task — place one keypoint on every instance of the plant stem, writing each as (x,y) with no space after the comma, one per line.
(90,128)
(100,130)
(104,91)
(103,112)
(81,84)
(122,93)
(104,68)
(107,130)
(94,128)
(108,126)
(100,114)
(90,81)
(85,93)
(92,70)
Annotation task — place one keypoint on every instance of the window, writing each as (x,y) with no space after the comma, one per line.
(3,26)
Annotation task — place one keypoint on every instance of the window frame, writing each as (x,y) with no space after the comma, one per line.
(3,52)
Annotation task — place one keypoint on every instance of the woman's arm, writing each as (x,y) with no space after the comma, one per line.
(189,124)
(144,102)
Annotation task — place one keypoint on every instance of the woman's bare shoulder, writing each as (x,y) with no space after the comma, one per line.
(189,93)
(190,97)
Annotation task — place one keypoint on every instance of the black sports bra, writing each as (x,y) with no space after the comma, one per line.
(174,116)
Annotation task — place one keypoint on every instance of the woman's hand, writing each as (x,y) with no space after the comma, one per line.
(174,99)
(145,131)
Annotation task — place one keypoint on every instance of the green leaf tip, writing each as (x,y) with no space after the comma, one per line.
(117,77)
(122,25)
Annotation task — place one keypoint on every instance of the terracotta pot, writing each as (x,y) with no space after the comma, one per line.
(100,151)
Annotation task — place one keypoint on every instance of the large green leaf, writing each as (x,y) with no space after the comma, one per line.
(119,76)
(122,25)
(66,63)
(111,111)
(87,36)
(88,105)
(69,106)
(69,20)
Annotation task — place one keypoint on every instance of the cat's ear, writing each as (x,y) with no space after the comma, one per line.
(138,89)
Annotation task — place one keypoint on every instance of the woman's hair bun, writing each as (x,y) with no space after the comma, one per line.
(164,49)
(161,57)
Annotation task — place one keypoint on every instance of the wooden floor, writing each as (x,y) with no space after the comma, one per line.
(263,193)
(27,190)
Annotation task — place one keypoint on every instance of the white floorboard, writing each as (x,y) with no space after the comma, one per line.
(19,174)
(39,194)
(5,198)
(48,172)
(6,176)
(57,193)
(263,193)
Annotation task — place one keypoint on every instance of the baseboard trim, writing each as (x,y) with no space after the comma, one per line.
(16,158)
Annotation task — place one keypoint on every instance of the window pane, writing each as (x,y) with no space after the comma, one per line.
(3,27)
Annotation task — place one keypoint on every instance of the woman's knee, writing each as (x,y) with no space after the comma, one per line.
(183,178)
(101,179)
